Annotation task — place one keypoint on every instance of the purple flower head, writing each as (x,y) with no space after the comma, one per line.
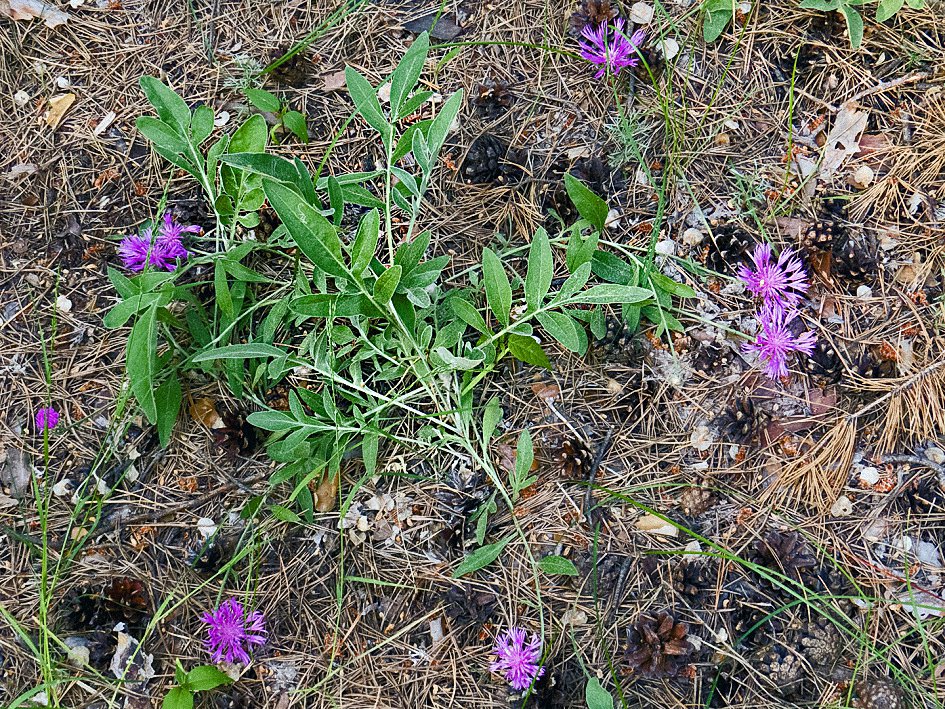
(517,659)
(609,48)
(46,417)
(232,631)
(779,283)
(164,251)
(776,340)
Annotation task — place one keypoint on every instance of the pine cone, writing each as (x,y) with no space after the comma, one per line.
(712,358)
(743,608)
(819,642)
(881,693)
(469,607)
(268,223)
(693,578)
(783,666)
(295,71)
(127,601)
(871,365)
(729,246)
(232,699)
(209,557)
(591,12)
(824,234)
(922,497)
(741,422)
(617,344)
(237,437)
(855,259)
(824,363)
(785,552)
(483,163)
(658,647)
(84,610)
(576,459)
(492,98)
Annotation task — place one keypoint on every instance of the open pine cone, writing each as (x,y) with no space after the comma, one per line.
(658,647)
(784,552)
(576,459)
(882,693)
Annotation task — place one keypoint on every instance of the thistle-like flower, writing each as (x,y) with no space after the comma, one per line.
(232,631)
(776,340)
(516,659)
(780,283)
(163,251)
(609,48)
(46,417)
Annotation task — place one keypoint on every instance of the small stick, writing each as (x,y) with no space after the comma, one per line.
(619,589)
(598,458)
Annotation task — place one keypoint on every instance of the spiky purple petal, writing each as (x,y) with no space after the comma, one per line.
(518,660)
(776,340)
(780,283)
(608,47)
(232,631)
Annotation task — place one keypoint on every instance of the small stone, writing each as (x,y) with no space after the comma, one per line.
(222,119)
(869,476)
(723,139)
(842,507)
(864,292)
(666,247)
(21,98)
(63,304)
(863,177)
(641,13)
(613,219)
(207,527)
(701,438)
(63,488)
(731,125)
(935,454)
(32,279)
(63,82)
(692,237)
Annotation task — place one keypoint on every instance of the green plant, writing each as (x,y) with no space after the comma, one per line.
(290,120)
(885,9)
(200,679)
(716,16)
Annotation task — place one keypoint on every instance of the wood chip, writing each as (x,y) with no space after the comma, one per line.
(58,106)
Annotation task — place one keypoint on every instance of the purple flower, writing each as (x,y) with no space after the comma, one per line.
(164,251)
(776,340)
(47,417)
(516,659)
(231,628)
(608,47)
(780,284)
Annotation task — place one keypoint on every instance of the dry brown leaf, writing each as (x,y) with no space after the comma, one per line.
(548,391)
(205,411)
(334,82)
(33,10)
(842,140)
(58,105)
(326,494)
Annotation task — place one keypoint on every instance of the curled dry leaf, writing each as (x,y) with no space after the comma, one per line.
(58,106)
(205,411)
(333,82)
(34,10)
(326,493)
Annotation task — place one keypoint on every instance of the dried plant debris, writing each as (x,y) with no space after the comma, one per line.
(694,578)
(296,71)
(466,606)
(711,359)
(591,13)
(236,437)
(786,553)
(490,161)
(658,646)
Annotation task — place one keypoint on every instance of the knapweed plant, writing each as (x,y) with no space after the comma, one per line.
(390,351)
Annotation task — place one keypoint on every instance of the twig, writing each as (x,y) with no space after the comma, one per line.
(891,84)
(595,466)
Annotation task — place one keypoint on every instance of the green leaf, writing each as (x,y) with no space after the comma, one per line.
(456,361)
(365,242)
(580,250)
(668,285)
(369,449)
(221,291)
(161,134)
(244,351)
(336,200)
(405,76)
(498,288)
(574,283)
(201,125)
(273,420)
(295,122)
(263,100)
(250,137)
(528,350)
(178,698)
(524,457)
(387,283)
(888,8)
(588,204)
(440,127)
(916,4)
(854,25)
(821,5)
(410,255)
(596,696)
(609,267)
(465,311)
(424,274)
(491,416)
(540,270)
(718,13)
(170,107)
(167,399)
(206,677)
(141,362)
(277,168)
(314,234)
(122,311)
(241,273)
(557,566)
(285,514)
(480,558)
(607,293)
(564,329)
(365,99)
(413,103)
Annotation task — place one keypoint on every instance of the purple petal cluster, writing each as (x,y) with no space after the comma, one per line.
(163,250)
(776,340)
(232,631)
(518,660)
(780,283)
(609,48)
(46,417)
